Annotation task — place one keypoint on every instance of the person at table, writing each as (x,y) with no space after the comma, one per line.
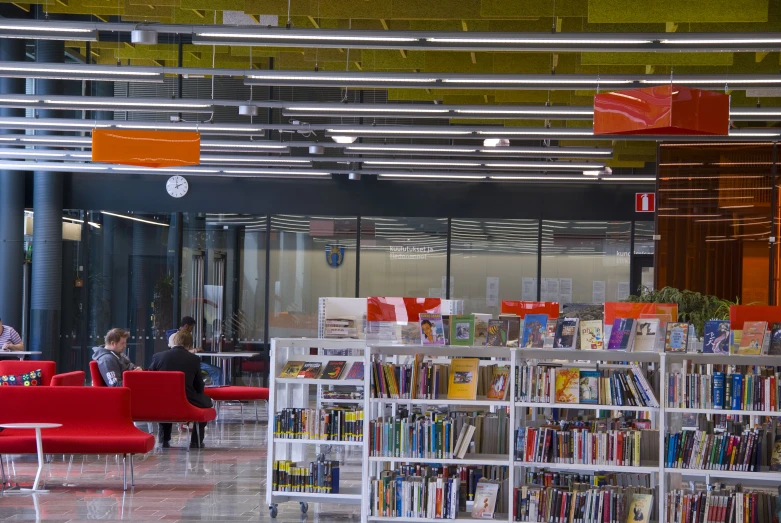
(187,325)
(111,357)
(180,358)
(10,339)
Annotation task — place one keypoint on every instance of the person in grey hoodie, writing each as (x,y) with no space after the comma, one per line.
(111,357)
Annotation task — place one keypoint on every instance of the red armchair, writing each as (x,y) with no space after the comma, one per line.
(16,367)
(159,397)
(69,379)
(94,371)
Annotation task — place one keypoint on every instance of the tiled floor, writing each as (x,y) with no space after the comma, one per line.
(224,482)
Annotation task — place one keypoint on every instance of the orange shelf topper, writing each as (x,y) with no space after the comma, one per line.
(146,148)
(623,309)
(739,314)
(522,308)
(664,109)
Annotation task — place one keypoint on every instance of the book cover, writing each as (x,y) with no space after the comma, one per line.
(550,328)
(567,385)
(566,333)
(310,370)
(589,386)
(463,379)
(355,372)
(775,340)
(432,330)
(481,328)
(622,334)
(676,337)
(497,333)
(640,508)
(534,328)
(736,401)
(499,383)
(513,329)
(333,370)
(645,335)
(462,330)
(716,339)
(752,338)
(291,369)
(485,500)
(718,390)
(591,335)
(775,458)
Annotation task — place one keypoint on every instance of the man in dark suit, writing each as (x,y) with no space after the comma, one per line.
(179,358)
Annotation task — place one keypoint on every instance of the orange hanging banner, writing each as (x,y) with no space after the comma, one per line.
(146,148)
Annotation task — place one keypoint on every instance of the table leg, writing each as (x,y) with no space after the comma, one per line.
(224,371)
(39,448)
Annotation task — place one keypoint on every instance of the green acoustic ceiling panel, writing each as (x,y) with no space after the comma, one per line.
(650,11)
(644,59)
(534,8)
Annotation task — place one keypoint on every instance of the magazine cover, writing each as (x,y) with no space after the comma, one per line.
(567,385)
(310,370)
(640,508)
(676,337)
(716,339)
(534,328)
(589,386)
(497,333)
(566,333)
(333,370)
(591,335)
(356,371)
(291,369)
(623,334)
(753,337)
(432,330)
(485,500)
(498,389)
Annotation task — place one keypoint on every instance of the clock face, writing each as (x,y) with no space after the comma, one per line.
(176,186)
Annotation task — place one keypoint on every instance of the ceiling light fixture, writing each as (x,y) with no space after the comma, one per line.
(432,176)
(344,139)
(143,36)
(80,72)
(496,142)
(134,218)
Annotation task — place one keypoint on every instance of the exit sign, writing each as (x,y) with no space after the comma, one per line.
(645,202)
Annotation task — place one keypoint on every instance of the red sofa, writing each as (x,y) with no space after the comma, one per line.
(97,377)
(69,379)
(16,367)
(94,421)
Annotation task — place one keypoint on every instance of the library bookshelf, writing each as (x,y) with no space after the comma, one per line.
(297,393)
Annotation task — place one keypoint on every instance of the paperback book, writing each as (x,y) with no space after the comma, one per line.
(432,331)
(462,330)
(775,340)
(716,339)
(355,372)
(567,385)
(753,336)
(534,329)
(463,379)
(333,370)
(589,386)
(291,369)
(514,323)
(591,335)
(640,508)
(499,383)
(677,337)
(485,500)
(310,370)
(497,333)
(645,335)
(566,333)
(623,334)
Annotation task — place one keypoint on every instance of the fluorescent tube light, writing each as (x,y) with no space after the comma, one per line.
(357,79)
(432,176)
(410,149)
(592,172)
(525,41)
(126,217)
(80,72)
(304,37)
(421,162)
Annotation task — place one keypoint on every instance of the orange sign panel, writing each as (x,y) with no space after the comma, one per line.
(146,148)
(738,314)
(380,308)
(664,109)
(622,309)
(522,308)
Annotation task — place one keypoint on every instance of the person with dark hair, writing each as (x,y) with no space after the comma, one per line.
(187,325)
(111,357)
(10,339)
(180,358)
(428,330)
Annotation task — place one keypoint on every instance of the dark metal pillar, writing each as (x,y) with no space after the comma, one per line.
(11,204)
(46,294)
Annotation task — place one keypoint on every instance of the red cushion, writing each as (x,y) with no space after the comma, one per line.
(66,440)
(69,379)
(253,366)
(237,393)
(159,396)
(16,367)
(94,371)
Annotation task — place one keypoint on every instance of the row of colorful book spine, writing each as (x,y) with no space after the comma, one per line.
(624,388)
(557,505)
(580,447)
(398,495)
(331,424)
(722,391)
(318,477)
(421,380)
(721,507)
(695,449)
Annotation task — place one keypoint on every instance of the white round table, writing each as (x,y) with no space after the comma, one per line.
(38,445)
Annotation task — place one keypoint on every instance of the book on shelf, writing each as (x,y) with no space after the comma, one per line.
(462,330)
(676,337)
(417,380)
(310,370)
(591,335)
(532,382)
(623,334)
(333,370)
(640,508)
(446,327)
(589,386)
(646,334)
(514,323)
(498,331)
(432,330)
(355,372)
(721,506)
(500,381)
(481,328)
(752,338)
(582,504)
(291,369)
(328,424)
(716,338)
(775,455)
(534,331)
(485,499)
(423,493)
(699,450)
(566,335)
(463,379)
(318,477)
(567,385)
(550,332)
(464,440)
(775,340)
(543,477)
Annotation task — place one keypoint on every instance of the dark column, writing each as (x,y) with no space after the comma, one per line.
(11,204)
(46,294)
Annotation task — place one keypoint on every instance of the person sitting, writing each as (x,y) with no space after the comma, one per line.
(111,357)
(188,324)
(180,358)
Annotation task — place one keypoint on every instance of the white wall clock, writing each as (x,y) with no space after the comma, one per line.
(177,186)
